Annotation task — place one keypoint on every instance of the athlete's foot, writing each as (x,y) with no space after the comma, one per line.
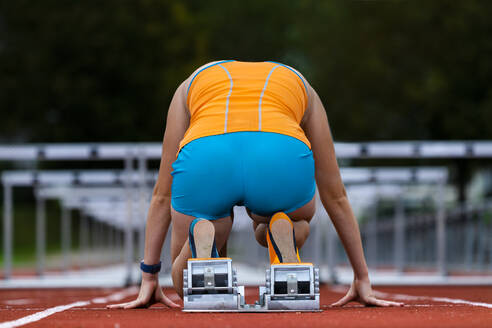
(282,233)
(204,234)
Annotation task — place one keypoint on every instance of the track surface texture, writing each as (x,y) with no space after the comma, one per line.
(425,307)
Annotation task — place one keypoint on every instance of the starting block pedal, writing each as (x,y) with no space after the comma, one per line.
(291,287)
(210,285)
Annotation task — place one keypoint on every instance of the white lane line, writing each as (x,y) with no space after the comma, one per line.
(46,313)
(40,315)
(404,297)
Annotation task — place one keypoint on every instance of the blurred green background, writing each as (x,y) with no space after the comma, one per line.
(106,70)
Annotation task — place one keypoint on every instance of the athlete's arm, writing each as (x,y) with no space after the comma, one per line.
(159,215)
(334,198)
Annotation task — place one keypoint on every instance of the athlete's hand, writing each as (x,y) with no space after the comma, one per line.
(150,293)
(361,292)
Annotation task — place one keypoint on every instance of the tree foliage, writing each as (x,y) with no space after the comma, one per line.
(106,70)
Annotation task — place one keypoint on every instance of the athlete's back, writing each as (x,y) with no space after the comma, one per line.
(231,96)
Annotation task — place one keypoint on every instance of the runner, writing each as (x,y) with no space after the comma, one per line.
(253,134)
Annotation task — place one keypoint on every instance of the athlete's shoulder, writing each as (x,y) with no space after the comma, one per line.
(204,66)
(291,68)
(190,79)
(296,72)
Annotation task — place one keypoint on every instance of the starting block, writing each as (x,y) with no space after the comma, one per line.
(210,285)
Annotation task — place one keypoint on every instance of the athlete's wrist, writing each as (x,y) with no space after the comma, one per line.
(362,277)
(361,274)
(150,268)
(150,276)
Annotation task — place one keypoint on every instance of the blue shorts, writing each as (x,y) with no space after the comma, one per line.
(264,171)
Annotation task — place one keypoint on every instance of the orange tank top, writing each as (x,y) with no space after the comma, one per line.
(231,96)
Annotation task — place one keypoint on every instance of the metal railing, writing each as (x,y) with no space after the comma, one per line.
(134,186)
(452,238)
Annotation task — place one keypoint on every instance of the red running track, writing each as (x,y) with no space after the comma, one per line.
(425,307)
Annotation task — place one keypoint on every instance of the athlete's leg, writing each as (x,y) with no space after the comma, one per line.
(223,249)
(300,219)
(180,248)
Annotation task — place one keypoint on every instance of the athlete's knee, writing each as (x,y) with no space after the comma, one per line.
(260,233)
(223,228)
(304,213)
(301,229)
(177,279)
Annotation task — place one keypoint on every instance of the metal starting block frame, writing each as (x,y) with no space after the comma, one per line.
(210,285)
